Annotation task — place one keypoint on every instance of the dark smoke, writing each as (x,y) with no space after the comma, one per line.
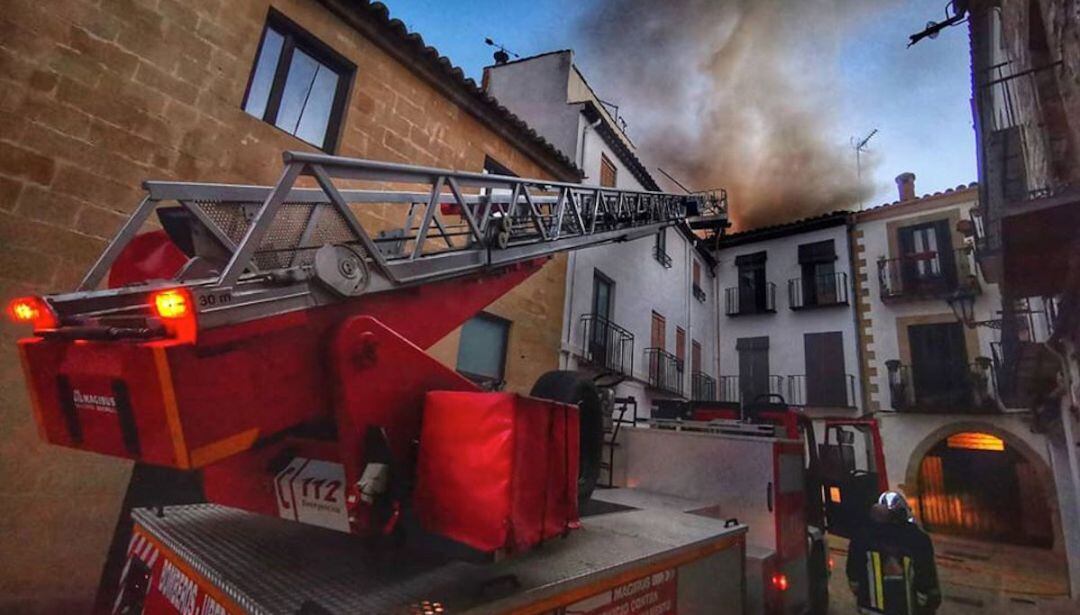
(736,94)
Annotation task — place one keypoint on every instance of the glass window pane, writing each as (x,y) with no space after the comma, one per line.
(316,114)
(298,84)
(263,78)
(482,347)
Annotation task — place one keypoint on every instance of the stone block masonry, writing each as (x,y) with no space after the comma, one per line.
(97,96)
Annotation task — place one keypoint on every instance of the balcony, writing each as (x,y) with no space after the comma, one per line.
(661,256)
(928,275)
(840,394)
(750,299)
(699,293)
(824,291)
(702,387)
(665,371)
(1022,363)
(964,389)
(741,389)
(606,346)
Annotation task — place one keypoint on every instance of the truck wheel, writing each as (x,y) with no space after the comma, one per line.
(573,388)
(819,578)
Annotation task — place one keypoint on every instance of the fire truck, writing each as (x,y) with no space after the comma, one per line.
(260,356)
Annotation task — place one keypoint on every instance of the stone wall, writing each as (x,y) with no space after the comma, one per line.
(96,97)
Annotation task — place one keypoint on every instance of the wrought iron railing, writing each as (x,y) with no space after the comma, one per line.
(823,290)
(840,394)
(964,388)
(699,293)
(665,371)
(745,389)
(750,299)
(702,387)
(661,256)
(607,346)
(926,275)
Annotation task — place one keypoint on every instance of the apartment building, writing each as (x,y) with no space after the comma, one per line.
(640,315)
(788,319)
(98,97)
(930,330)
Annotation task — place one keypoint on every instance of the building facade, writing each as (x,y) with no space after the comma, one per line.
(969,463)
(788,320)
(1026,111)
(98,97)
(642,314)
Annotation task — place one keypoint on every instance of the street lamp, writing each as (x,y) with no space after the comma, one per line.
(962,303)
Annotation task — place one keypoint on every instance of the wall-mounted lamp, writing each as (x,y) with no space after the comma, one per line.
(962,303)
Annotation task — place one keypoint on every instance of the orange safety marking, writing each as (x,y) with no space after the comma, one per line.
(35,403)
(223,447)
(204,584)
(172,414)
(588,591)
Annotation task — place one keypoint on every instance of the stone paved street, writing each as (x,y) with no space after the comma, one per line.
(979,577)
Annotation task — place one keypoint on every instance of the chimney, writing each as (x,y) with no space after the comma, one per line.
(905,183)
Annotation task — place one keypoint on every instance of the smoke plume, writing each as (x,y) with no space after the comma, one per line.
(737,94)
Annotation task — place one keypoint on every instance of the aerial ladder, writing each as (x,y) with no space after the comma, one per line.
(268,341)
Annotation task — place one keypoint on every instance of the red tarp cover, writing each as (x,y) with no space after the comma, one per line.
(497,470)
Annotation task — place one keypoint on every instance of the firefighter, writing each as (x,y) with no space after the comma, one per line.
(890,565)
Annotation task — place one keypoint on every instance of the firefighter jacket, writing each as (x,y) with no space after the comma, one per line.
(891,569)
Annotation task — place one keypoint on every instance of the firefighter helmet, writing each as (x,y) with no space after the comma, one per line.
(899,510)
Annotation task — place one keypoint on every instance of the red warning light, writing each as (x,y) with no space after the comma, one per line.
(32,310)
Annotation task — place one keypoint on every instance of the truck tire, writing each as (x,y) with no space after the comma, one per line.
(574,388)
(819,578)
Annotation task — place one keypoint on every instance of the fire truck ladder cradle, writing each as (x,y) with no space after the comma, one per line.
(258,248)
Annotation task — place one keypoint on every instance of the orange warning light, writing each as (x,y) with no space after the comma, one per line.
(171,304)
(31,310)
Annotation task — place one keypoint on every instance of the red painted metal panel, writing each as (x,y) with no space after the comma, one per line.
(497,470)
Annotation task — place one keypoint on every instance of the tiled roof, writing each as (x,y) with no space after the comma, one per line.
(427,57)
(960,188)
(833,218)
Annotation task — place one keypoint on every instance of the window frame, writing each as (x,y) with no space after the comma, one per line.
(293,36)
(481,378)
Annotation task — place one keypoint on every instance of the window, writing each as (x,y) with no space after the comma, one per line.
(753,296)
(608,172)
(818,281)
(482,349)
(680,344)
(298,84)
(494,167)
(603,295)
(699,292)
(926,258)
(695,356)
(754,378)
(657,332)
(660,249)
(826,383)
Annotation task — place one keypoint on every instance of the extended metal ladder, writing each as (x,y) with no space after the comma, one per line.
(261,246)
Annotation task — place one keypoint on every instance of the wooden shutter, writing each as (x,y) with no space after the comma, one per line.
(608,173)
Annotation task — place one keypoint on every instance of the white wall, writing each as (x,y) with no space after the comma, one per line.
(786,328)
(535,90)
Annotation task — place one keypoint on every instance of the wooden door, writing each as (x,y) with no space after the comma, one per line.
(826,382)
(939,370)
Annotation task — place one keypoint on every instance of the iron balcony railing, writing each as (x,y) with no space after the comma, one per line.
(699,293)
(607,346)
(818,393)
(702,387)
(818,291)
(958,389)
(661,256)
(745,389)
(665,371)
(927,275)
(1021,362)
(750,299)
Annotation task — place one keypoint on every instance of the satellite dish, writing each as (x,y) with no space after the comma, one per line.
(931,32)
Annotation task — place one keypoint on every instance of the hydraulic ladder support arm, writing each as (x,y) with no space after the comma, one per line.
(254,351)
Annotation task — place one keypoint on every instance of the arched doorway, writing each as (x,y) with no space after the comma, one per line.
(978,485)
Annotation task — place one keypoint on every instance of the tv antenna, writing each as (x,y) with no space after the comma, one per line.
(502,54)
(860,147)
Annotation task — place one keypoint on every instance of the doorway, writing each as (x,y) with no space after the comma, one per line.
(975,485)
